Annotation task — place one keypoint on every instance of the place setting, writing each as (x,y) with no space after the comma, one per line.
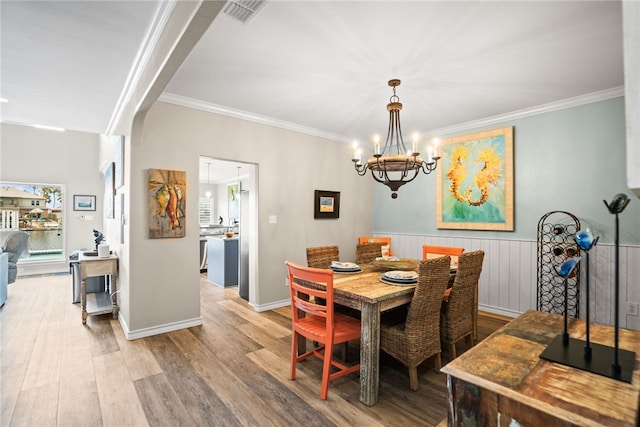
(399,277)
(345,267)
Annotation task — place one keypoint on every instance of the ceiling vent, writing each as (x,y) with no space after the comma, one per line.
(243,10)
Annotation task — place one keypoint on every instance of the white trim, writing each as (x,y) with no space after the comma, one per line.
(527,112)
(50,266)
(140,62)
(499,311)
(489,121)
(251,117)
(271,305)
(157,330)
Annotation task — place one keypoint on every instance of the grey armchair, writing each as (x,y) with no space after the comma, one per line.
(14,243)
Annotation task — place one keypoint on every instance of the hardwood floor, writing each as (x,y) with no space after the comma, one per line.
(231,371)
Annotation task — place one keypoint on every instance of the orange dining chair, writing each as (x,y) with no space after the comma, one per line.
(440,250)
(318,323)
(386,243)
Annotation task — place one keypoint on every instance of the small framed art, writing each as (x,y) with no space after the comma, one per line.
(327,204)
(83,202)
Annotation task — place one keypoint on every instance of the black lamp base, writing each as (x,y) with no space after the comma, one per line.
(600,362)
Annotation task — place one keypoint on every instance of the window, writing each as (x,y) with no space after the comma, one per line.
(37,209)
(205,211)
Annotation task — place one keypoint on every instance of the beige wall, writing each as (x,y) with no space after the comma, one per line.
(163,279)
(69,158)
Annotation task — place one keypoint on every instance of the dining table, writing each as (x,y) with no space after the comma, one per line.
(366,292)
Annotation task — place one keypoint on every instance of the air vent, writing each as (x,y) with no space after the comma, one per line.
(243,10)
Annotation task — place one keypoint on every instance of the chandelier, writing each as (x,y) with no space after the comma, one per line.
(394,166)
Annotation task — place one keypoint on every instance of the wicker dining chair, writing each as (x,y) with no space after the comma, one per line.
(367,252)
(418,337)
(386,243)
(455,322)
(468,272)
(321,256)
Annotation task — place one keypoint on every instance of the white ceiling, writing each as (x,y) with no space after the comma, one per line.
(321,66)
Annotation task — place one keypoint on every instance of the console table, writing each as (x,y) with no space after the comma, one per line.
(502,379)
(98,302)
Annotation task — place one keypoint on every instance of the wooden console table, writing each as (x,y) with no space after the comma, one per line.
(502,379)
(98,302)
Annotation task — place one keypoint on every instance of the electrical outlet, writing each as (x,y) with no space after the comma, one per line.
(632,308)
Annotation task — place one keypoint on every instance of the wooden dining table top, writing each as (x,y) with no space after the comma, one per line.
(367,285)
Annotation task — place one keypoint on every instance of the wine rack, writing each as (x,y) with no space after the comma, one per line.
(555,245)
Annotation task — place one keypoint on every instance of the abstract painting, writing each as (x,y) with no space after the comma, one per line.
(167,190)
(474,183)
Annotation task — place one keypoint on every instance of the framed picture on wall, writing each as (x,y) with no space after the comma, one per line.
(474,185)
(167,191)
(326,204)
(83,202)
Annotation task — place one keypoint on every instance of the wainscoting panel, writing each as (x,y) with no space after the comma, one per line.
(508,284)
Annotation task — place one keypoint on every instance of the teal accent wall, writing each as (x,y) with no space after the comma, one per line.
(569,160)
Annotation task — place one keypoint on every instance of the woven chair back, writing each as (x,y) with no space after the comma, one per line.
(456,321)
(423,317)
(469,268)
(321,256)
(368,252)
(386,241)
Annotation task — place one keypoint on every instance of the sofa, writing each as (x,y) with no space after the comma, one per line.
(14,243)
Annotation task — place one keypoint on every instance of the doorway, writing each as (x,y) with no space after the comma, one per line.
(228,204)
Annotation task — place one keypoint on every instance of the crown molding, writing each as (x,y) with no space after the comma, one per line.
(251,117)
(528,112)
(489,121)
(140,62)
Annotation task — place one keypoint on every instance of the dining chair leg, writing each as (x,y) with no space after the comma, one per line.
(326,370)
(294,356)
(452,350)
(437,361)
(413,378)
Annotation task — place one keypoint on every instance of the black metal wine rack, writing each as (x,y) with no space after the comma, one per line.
(555,244)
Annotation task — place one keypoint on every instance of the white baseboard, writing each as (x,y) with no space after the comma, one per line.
(498,310)
(42,267)
(272,305)
(157,330)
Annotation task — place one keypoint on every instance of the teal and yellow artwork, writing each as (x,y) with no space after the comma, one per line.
(475,181)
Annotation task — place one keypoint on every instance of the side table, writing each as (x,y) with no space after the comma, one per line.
(98,302)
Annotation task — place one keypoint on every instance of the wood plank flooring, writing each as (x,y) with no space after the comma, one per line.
(231,371)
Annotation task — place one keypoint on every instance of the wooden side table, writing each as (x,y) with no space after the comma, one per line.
(98,302)
(503,379)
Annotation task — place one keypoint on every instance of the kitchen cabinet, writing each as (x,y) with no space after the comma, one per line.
(222,261)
